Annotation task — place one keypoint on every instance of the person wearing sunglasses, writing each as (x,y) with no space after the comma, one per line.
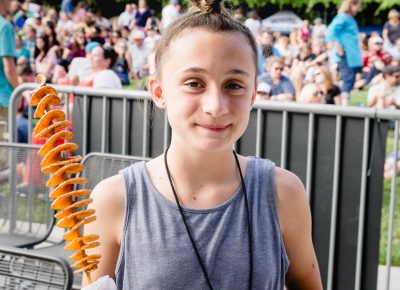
(282,88)
(386,94)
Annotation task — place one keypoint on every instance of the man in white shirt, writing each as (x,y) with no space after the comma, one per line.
(126,17)
(139,53)
(169,13)
(253,23)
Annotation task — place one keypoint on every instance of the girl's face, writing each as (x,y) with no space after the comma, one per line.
(39,43)
(208,87)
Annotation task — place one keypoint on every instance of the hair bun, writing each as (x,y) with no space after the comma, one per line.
(208,6)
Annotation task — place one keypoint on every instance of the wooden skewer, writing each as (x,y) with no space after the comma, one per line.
(88,278)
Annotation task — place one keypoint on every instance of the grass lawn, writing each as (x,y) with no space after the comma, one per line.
(359,99)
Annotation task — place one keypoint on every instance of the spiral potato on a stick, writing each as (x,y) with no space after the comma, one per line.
(52,126)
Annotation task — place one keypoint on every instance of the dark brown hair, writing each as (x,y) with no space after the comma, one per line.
(208,15)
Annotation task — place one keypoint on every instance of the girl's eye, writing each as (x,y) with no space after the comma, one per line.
(233,86)
(193,84)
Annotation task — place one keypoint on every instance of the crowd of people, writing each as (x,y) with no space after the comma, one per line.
(317,63)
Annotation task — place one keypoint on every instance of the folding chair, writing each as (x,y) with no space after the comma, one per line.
(26,218)
(23,269)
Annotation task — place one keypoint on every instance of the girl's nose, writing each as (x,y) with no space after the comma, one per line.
(215,104)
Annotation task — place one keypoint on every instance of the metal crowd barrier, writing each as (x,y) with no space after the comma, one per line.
(338,152)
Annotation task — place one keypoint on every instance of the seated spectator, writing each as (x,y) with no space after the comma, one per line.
(22,53)
(152,37)
(139,53)
(375,59)
(386,93)
(323,78)
(79,69)
(126,17)
(390,164)
(318,30)
(64,23)
(121,67)
(311,94)
(282,88)
(25,75)
(102,59)
(77,46)
(263,91)
(45,57)
(304,34)
(391,29)
(285,48)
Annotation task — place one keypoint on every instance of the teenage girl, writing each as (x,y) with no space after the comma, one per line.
(200,216)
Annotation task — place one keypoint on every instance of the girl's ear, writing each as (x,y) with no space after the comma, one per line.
(156,93)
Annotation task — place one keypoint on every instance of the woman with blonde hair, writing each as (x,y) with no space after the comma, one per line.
(391,29)
(311,94)
(323,78)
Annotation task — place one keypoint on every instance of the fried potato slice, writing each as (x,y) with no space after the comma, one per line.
(50,131)
(52,116)
(53,141)
(52,168)
(73,219)
(62,174)
(72,208)
(89,268)
(54,154)
(40,92)
(87,260)
(79,242)
(64,187)
(65,200)
(74,232)
(44,104)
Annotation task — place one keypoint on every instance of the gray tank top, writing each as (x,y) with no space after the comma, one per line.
(156,252)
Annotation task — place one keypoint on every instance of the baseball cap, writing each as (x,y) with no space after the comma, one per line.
(91,45)
(263,88)
(138,34)
(376,39)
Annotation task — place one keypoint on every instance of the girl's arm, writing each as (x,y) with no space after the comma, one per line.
(109,202)
(295,220)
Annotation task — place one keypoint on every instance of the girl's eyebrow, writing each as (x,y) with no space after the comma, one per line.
(202,70)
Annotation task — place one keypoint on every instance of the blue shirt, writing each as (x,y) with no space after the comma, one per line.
(7,48)
(344,29)
(284,86)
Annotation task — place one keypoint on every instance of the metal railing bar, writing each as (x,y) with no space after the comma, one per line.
(258,132)
(392,207)
(145,128)
(284,139)
(363,190)
(335,192)
(85,124)
(166,133)
(124,121)
(310,148)
(103,124)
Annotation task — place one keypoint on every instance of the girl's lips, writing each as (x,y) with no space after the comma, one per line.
(216,128)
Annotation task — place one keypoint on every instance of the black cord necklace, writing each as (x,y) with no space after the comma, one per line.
(249,226)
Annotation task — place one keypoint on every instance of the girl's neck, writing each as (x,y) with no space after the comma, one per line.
(202,180)
(199,165)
